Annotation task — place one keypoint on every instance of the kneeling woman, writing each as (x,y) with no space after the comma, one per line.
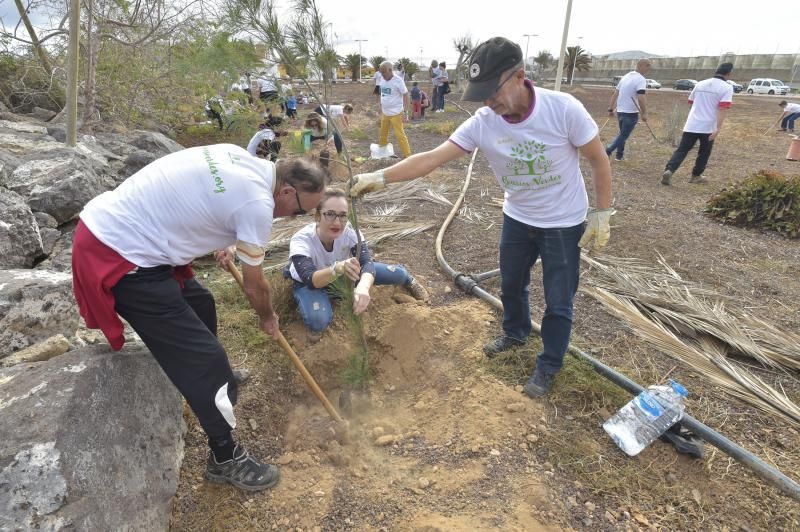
(322,251)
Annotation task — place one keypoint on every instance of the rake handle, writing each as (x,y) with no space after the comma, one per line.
(770,128)
(298,364)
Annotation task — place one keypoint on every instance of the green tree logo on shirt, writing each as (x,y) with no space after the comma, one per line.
(528,160)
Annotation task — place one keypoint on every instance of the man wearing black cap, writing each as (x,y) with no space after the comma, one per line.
(532,140)
(710,100)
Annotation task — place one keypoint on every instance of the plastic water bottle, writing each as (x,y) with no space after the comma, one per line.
(646,417)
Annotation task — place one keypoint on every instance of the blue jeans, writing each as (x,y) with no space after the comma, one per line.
(314,304)
(440,91)
(627,121)
(788,120)
(520,246)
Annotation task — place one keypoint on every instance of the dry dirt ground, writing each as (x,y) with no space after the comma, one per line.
(444,440)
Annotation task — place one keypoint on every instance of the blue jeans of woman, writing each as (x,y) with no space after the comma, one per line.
(627,122)
(520,246)
(440,92)
(314,304)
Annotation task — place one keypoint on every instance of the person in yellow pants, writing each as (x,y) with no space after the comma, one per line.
(393,98)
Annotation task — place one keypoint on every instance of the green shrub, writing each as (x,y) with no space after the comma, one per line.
(766,199)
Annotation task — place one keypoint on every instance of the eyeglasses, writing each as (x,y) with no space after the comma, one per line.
(300,210)
(331,216)
(504,82)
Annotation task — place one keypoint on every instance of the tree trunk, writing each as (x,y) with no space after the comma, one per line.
(40,51)
(72,72)
(90,92)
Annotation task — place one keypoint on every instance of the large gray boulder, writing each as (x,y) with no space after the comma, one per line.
(35,305)
(60,256)
(92,440)
(155,143)
(20,240)
(59,182)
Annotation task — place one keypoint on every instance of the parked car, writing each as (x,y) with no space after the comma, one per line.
(736,87)
(767,86)
(685,84)
(653,84)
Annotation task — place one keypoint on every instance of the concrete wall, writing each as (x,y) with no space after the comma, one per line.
(668,69)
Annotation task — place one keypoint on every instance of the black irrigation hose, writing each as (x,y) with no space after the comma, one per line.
(469,283)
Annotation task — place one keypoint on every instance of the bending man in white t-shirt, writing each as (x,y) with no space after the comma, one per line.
(132,253)
(393,99)
(324,250)
(532,139)
(630,102)
(710,100)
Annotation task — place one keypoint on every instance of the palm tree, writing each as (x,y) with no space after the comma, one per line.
(353,63)
(544,59)
(408,66)
(578,59)
(376,61)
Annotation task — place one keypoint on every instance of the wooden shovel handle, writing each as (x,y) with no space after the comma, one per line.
(312,384)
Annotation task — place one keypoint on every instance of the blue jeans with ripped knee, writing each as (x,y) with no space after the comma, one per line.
(314,304)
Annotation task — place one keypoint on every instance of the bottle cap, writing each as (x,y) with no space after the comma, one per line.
(678,387)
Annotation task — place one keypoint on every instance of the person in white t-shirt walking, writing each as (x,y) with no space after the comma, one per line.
(532,139)
(710,100)
(131,257)
(393,99)
(791,112)
(630,103)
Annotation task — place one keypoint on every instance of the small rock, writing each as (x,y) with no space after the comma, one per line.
(672,478)
(420,405)
(587,522)
(494,452)
(518,388)
(475,448)
(377,432)
(642,520)
(590,506)
(286,459)
(423,482)
(253,424)
(533,438)
(402,299)
(45,350)
(447,289)
(319,493)
(572,501)
(547,466)
(383,441)
(515,407)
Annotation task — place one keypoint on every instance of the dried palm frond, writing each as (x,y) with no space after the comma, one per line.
(388,211)
(471,214)
(707,356)
(375,230)
(417,189)
(693,311)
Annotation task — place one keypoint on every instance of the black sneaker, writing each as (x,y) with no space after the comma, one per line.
(243,471)
(539,384)
(500,344)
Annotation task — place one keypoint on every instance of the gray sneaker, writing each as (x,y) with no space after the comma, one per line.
(666,177)
(417,291)
(243,471)
(698,179)
(539,384)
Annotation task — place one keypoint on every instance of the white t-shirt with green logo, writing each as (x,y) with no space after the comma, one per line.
(536,161)
(392,92)
(186,205)
(306,243)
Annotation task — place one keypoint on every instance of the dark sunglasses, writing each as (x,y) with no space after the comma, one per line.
(300,210)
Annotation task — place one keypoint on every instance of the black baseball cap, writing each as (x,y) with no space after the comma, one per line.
(487,64)
(724,69)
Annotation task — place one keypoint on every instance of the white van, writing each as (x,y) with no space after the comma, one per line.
(767,86)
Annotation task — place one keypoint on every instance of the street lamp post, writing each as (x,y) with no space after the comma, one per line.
(527,40)
(574,62)
(360,57)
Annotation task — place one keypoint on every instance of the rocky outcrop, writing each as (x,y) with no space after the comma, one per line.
(92,440)
(20,240)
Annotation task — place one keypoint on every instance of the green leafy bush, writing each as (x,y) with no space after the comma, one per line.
(766,199)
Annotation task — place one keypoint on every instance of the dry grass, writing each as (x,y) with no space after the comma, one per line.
(440,128)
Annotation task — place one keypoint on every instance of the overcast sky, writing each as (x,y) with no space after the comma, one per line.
(424,30)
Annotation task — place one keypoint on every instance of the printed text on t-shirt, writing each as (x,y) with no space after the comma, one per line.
(530,167)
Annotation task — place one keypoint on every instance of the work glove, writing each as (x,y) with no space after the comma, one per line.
(597,231)
(363,183)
